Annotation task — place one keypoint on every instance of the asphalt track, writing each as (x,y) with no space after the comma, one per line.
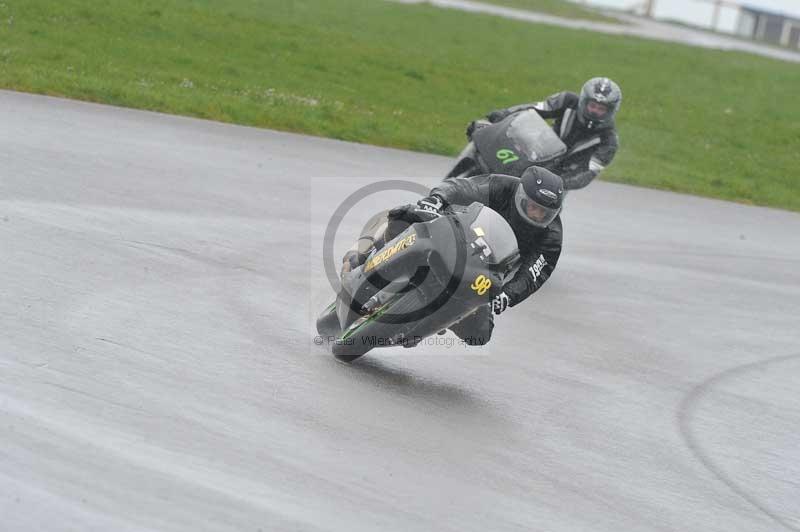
(158,371)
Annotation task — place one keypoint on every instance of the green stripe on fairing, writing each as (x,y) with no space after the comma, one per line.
(380,312)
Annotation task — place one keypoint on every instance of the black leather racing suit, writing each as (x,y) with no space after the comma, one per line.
(591,149)
(539,248)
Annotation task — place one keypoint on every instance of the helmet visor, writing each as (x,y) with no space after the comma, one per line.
(532,211)
(596,110)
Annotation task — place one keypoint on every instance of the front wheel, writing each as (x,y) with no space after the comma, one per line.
(466,164)
(328,322)
(365,333)
(464,168)
(346,355)
(347,349)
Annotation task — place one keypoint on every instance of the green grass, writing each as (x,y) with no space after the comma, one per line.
(411,76)
(560,8)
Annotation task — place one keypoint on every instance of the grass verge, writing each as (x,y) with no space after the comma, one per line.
(411,76)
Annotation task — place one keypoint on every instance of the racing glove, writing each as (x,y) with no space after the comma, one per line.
(498,115)
(475,125)
(432,204)
(428,208)
(471,129)
(500,303)
(425,210)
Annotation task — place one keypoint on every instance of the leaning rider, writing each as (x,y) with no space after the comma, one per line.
(585,123)
(531,205)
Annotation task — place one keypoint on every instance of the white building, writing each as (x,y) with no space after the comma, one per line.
(768,26)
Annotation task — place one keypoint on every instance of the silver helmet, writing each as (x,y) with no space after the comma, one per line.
(599,102)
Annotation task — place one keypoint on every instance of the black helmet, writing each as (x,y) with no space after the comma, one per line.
(599,102)
(539,196)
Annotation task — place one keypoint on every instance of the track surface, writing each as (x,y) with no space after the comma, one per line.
(157,371)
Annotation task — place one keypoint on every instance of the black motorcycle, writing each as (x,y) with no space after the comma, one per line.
(424,279)
(510,146)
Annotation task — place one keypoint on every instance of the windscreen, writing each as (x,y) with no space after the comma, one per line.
(534,138)
(494,236)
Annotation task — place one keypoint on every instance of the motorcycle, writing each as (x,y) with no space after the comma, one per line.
(423,280)
(510,146)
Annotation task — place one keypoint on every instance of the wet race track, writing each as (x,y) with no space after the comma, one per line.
(158,371)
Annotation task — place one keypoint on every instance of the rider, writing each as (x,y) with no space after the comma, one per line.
(531,205)
(584,123)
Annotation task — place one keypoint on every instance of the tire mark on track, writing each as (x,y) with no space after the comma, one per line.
(686,413)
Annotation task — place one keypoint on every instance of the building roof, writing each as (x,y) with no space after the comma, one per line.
(762,11)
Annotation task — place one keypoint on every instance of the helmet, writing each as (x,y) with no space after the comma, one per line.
(599,102)
(539,196)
